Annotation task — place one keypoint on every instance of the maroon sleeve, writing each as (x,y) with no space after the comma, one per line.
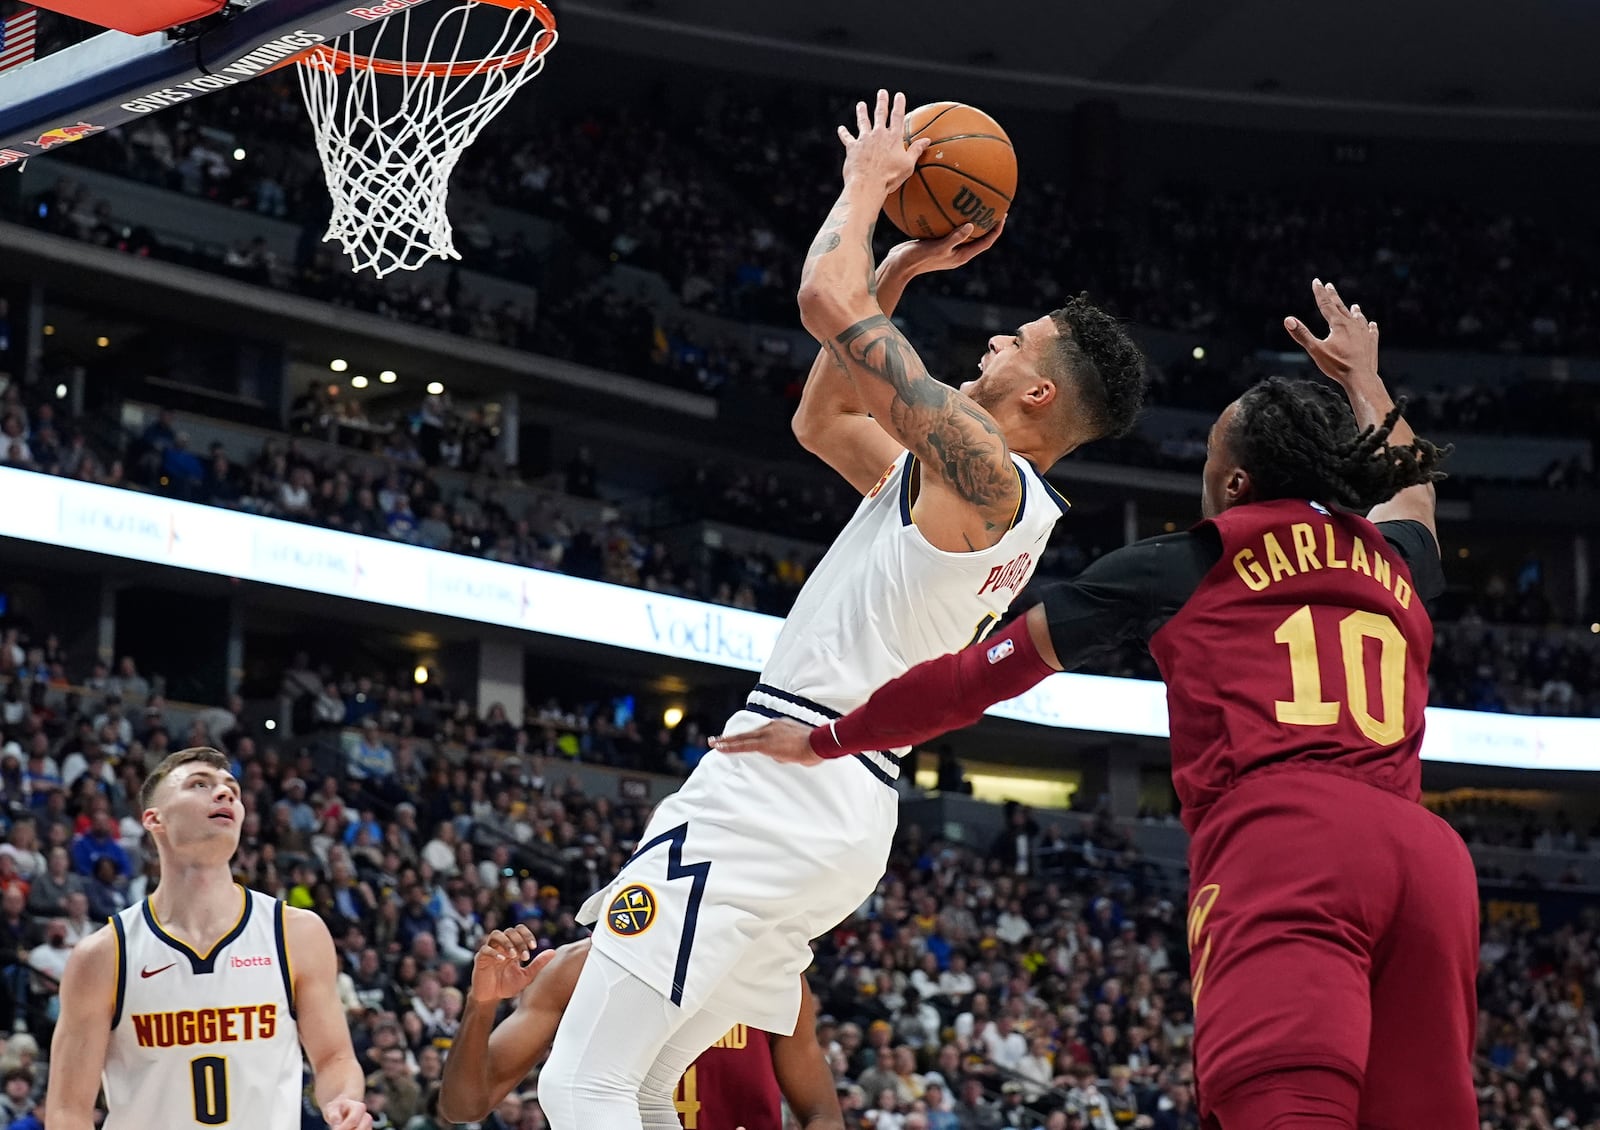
(938,696)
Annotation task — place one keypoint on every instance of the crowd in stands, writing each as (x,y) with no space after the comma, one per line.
(720,209)
(1036,980)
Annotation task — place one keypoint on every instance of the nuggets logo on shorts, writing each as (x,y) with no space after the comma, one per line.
(633,910)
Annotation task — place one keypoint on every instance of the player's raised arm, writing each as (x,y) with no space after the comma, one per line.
(1349,357)
(832,422)
(89,993)
(487,1062)
(803,1073)
(952,436)
(339,1082)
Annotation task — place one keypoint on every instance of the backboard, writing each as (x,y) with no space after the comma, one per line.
(114,77)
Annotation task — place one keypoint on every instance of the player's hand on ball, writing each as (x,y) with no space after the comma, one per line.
(507,963)
(781,739)
(1351,347)
(924,256)
(877,156)
(347,1114)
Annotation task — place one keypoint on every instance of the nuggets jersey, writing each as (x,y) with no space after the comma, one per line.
(201,1040)
(883,600)
(733,1084)
(751,859)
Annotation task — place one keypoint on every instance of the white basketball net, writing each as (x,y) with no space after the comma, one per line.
(389,142)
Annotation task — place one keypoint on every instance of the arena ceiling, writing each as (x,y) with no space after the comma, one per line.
(1470,66)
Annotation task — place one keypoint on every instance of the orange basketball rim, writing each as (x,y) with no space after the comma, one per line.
(338,60)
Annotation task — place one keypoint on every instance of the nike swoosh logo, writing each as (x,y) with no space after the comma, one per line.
(153,972)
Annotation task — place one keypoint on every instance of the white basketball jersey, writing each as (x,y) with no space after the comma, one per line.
(751,859)
(202,1040)
(884,600)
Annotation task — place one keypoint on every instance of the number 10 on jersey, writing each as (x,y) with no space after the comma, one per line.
(1308,708)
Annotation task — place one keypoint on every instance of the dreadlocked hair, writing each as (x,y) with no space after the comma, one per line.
(1105,364)
(1298,439)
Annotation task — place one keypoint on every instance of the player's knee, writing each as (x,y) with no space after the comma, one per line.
(1301,1098)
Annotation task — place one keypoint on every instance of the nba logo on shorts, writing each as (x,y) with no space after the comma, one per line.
(1000,650)
(632,911)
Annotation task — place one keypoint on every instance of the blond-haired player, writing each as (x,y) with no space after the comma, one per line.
(193,1005)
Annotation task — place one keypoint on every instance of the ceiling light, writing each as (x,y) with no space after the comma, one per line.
(358,382)
(338,364)
(61,392)
(420,675)
(238,154)
(102,341)
(388,376)
(435,388)
(49,330)
(672,716)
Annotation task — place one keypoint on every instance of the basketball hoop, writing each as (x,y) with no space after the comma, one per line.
(393,114)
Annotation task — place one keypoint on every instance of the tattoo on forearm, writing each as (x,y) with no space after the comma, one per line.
(828,238)
(945,429)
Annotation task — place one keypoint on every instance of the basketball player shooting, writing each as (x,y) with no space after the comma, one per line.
(1333,922)
(739,1083)
(194,1004)
(709,924)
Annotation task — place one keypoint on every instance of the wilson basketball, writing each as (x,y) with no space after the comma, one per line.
(967,175)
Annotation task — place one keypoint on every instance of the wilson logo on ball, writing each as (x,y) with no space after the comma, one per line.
(633,911)
(971,205)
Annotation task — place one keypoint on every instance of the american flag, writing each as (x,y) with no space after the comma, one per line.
(16,38)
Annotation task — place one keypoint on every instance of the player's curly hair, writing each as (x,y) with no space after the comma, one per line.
(1298,439)
(1107,367)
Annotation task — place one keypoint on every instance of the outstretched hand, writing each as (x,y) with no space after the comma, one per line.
(1351,348)
(781,739)
(877,156)
(924,256)
(507,963)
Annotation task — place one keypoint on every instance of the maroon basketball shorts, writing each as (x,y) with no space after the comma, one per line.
(1334,924)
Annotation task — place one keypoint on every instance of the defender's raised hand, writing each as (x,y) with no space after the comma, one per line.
(503,968)
(876,157)
(1351,348)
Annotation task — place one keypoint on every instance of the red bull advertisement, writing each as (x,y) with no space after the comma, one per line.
(63,135)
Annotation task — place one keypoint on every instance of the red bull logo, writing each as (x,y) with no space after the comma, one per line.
(64,135)
(9,157)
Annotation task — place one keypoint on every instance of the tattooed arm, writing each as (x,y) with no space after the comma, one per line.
(832,421)
(971,489)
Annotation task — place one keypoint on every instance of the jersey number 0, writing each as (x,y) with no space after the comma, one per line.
(210,1075)
(1308,708)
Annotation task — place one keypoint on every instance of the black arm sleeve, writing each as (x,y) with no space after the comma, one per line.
(1414,541)
(1127,594)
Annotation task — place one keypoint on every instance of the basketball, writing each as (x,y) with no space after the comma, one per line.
(967,175)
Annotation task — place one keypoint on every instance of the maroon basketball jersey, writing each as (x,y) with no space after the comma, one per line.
(1305,642)
(732,1084)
